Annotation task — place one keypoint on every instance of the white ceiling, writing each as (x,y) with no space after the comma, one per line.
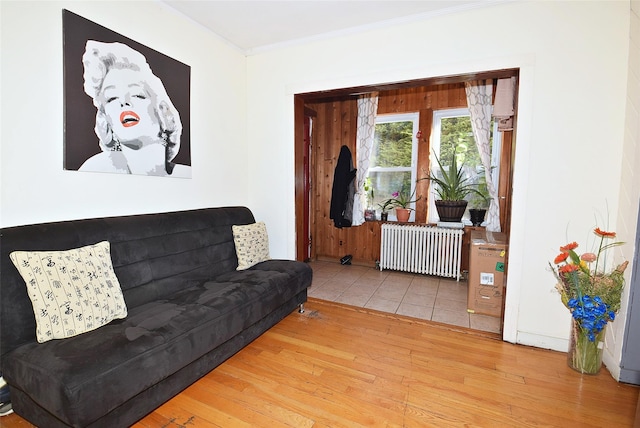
(253,26)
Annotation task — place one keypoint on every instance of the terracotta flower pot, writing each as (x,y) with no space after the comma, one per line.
(402,214)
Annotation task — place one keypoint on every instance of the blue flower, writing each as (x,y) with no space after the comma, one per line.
(591,313)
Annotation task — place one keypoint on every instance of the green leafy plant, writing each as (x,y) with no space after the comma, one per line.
(452,185)
(368,188)
(481,200)
(402,199)
(386,205)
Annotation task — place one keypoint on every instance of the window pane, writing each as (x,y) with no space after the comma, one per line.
(393,158)
(392,145)
(456,135)
(385,183)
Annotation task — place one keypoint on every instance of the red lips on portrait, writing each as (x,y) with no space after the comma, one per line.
(129,118)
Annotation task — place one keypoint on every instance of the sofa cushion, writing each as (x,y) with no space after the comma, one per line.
(72,291)
(252,244)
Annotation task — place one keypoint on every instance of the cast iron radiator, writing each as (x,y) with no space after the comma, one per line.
(421,249)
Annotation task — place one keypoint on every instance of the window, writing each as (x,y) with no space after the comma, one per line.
(393,159)
(452,131)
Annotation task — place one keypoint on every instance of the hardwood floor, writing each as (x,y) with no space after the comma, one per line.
(341,366)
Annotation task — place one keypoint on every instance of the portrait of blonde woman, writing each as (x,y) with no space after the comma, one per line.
(137,129)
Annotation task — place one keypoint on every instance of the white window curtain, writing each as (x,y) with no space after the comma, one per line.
(479,97)
(367,109)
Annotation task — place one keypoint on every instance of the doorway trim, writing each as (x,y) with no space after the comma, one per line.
(307,91)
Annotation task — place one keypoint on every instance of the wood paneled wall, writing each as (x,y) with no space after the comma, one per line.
(335,126)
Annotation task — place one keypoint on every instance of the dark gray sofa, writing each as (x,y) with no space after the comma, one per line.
(188,311)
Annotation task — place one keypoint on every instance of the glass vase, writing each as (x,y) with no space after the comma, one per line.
(585,356)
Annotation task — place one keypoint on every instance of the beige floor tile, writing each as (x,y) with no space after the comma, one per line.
(424,300)
(422,312)
(349,277)
(319,282)
(367,283)
(375,274)
(422,289)
(399,278)
(324,293)
(451,304)
(333,284)
(383,305)
(453,291)
(446,316)
(358,300)
(391,291)
(360,290)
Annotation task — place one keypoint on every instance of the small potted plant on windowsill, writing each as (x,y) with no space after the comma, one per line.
(384,208)
(479,202)
(401,201)
(452,187)
(369,212)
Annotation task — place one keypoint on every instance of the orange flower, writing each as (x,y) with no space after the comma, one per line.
(588,257)
(560,258)
(604,234)
(569,247)
(568,268)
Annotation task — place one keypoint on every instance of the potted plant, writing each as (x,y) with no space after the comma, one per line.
(452,187)
(369,212)
(384,207)
(402,200)
(479,202)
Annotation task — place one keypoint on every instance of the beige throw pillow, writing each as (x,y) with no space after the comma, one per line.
(252,244)
(71,291)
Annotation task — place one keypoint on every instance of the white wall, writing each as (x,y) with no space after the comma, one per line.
(573,60)
(629,189)
(34,187)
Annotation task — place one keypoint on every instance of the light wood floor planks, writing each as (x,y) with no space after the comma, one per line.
(340,366)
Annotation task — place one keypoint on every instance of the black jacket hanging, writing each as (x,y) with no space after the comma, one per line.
(343,191)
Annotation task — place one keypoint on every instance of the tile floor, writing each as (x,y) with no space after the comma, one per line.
(420,296)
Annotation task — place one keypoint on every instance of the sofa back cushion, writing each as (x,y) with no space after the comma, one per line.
(72,291)
(153,255)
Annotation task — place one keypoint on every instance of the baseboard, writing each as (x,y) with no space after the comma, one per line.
(354,261)
(544,342)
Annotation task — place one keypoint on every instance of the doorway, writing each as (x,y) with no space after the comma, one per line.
(335,124)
